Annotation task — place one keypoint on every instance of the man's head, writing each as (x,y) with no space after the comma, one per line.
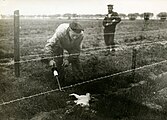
(75,30)
(110,8)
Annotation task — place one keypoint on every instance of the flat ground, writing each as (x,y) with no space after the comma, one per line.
(125,96)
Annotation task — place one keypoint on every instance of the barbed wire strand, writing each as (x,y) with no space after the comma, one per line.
(99,49)
(39,59)
(118,33)
(78,84)
(103,47)
(101,34)
(49,57)
(52,57)
(2,40)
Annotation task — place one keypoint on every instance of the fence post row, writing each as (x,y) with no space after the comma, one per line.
(16,43)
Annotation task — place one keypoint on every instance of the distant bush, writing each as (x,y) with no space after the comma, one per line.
(122,15)
(132,16)
(162,15)
(147,15)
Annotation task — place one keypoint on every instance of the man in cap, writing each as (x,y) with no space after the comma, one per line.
(68,36)
(109,22)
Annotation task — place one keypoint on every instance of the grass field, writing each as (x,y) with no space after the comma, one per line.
(113,101)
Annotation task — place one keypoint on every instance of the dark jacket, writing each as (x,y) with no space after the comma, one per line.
(113,19)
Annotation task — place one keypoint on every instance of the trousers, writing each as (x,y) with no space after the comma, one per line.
(73,59)
(109,39)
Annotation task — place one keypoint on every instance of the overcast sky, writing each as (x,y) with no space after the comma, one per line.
(31,7)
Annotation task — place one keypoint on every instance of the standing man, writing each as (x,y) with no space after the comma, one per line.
(110,21)
(68,36)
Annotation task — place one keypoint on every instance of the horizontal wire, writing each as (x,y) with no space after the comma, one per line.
(118,33)
(81,83)
(1,40)
(97,48)
(165,30)
(82,49)
(44,54)
(92,49)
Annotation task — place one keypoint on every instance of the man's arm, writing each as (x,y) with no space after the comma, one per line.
(113,20)
(48,51)
(116,18)
(49,45)
(105,22)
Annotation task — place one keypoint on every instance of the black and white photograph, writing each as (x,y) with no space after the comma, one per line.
(83,60)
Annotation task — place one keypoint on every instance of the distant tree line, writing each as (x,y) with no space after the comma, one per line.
(145,16)
(130,16)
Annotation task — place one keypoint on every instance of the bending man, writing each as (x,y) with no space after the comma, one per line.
(68,36)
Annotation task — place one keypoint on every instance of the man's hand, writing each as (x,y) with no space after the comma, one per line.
(52,63)
(66,63)
(114,20)
(107,24)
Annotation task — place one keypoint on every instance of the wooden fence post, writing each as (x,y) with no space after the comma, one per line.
(134,52)
(16,43)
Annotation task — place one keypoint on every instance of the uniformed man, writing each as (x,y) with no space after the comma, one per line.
(68,36)
(110,21)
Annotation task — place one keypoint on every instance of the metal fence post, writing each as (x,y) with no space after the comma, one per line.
(16,43)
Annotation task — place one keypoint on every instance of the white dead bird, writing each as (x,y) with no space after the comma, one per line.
(83,100)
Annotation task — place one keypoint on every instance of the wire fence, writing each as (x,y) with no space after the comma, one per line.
(84,50)
(99,49)
(81,83)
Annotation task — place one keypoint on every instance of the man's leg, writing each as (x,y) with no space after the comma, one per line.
(106,39)
(112,43)
(107,42)
(76,68)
